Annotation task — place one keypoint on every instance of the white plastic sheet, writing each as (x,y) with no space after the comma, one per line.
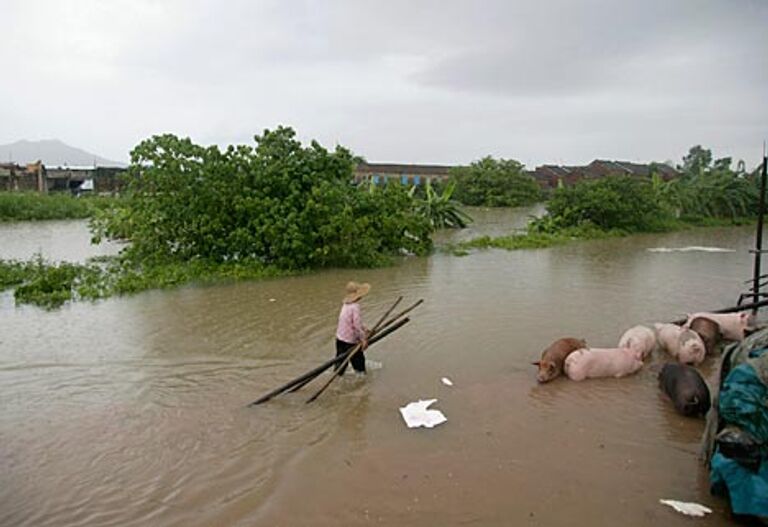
(687,508)
(417,414)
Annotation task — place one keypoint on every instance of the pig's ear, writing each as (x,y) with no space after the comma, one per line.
(537,363)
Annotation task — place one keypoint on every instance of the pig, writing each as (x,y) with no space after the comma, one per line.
(591,363)
(708,330)
(552,358)
(684,344)
(641,339)
(688,391)
(732,325)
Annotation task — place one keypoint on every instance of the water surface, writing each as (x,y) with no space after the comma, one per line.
(132,411)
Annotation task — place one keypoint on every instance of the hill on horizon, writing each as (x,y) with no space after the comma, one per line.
(51,152)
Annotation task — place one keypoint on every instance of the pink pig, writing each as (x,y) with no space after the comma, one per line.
(641,339)
(591,363)
(732,325)
(684,344)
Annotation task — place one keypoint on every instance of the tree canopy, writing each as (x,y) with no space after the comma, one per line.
(279,203)
(494,183)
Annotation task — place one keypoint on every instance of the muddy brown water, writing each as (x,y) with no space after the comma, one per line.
(132,411)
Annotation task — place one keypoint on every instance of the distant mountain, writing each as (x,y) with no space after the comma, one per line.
(51,152)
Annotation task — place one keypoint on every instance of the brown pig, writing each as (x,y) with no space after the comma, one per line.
(552,358)
(708,330)
(732,325)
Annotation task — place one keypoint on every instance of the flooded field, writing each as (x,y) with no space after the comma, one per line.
(132,411)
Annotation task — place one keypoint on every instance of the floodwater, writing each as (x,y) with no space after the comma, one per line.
(56,240)
(132,411)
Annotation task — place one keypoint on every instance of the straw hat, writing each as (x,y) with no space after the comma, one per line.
(355,292)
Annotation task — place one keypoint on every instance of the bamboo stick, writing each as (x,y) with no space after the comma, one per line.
(312,374)
(300,381)
(357,349)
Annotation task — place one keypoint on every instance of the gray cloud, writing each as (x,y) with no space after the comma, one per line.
(431,81)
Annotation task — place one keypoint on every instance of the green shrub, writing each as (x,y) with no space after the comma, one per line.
(614,202)
(279,204)
(495,183)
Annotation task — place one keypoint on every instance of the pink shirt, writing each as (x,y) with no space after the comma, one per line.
(350,328)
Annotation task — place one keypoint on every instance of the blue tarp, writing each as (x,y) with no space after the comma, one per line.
(747,490)
(744,403)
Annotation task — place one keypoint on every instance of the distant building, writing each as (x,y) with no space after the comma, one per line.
(38,177)
(405,174)
(550,176)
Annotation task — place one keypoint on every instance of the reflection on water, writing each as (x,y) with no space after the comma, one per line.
(131,411)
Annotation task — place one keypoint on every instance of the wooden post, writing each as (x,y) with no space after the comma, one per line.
(759,236)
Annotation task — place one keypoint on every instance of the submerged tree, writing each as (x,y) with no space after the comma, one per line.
(495,183)
(279,203)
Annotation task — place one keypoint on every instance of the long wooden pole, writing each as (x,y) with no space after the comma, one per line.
(759,234)
(372,333)
(312,374)
(734,309)
(384,330)
(357,349)
(348,357)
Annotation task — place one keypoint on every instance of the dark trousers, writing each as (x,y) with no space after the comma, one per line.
(358,359)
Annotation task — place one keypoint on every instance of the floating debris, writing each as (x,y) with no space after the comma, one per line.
(687,508)
(416,414)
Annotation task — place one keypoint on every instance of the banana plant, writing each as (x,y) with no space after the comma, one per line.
(440,210)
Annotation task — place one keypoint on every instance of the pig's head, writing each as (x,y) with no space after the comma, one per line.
(692,349)
(547,370)
(709,331)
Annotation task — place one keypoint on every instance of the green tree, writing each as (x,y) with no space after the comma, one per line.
(280,203)
(710,189)
(614,202)
(495,183)
(696,161)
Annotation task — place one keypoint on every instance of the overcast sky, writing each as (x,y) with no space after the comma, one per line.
(446,82)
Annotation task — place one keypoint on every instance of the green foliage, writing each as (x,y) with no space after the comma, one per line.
(696,160)
(49,284)
(440,209)
(495,183)
(12,272)
(533,239)
(710,189)
(279,204)
(616,202)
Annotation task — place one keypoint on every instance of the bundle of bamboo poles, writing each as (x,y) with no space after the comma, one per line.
(383,327)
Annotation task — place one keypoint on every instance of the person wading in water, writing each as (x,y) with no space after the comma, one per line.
(351,330)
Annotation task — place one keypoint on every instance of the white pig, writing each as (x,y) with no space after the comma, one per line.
(591,363)
(683,344)
(641,339)
(732,325)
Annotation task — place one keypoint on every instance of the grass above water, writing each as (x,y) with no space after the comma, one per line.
(49,285)
(540,240)
(27,206)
